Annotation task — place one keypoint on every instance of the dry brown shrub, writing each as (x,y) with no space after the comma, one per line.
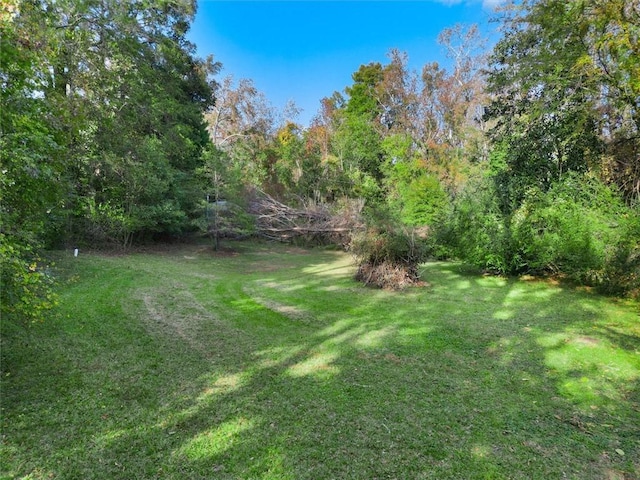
(389,276)
(310,222)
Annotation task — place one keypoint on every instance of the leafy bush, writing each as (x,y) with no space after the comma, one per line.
(621,271)
(103,223)
(25,290)
(573,229)
(556,233)
(475,230)
(580,228)
(423,201)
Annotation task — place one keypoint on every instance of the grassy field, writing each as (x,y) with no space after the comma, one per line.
(270,362)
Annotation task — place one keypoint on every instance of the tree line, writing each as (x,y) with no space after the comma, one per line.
(102,129)
(520,159)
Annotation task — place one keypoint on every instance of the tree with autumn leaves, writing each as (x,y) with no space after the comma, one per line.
(480,151)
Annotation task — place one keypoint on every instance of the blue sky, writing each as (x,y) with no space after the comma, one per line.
(305,50)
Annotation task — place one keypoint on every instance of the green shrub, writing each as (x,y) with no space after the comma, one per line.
(423,201)
(25,288)
(580,229)
(552,233)
(475,230)
(621,271)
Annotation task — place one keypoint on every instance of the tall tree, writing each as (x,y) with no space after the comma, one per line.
(239,111)
(358,137)
(241,124)
(558,100)
(131,95)
(611,30)
(451,102)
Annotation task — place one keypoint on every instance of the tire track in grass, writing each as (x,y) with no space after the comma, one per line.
(174,312)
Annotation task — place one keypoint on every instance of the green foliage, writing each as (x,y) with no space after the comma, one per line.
(410,189)
(25,287)
(103,138)
(356,141)
(226,219)
(105,223)
(365,186)
(30,156)
(580,229)
(362,101)
(289,146)
(560,97)
(359,147)
(424,201)
(564,116)
(223,208)
(475,229)
(556,233)
(219,176)
(31,185)
(621,272)
(104,114)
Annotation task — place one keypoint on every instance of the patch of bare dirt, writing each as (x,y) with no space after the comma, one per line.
(223,252)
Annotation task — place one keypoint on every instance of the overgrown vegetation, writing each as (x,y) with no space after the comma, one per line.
(579,228)
(101,129)
(271,362)
(388,254)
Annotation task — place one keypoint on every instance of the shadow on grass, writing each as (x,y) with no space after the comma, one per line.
(294,371)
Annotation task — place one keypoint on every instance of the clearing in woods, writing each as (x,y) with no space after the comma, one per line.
(273,363)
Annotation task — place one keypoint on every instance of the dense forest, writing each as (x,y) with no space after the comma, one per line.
(520,159)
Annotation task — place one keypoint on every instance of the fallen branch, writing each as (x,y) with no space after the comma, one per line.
(313,223)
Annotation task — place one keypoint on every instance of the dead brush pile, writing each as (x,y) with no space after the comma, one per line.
(388,275)
(310,222)
(388,259)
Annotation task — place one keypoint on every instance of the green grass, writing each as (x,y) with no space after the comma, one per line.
(274,364)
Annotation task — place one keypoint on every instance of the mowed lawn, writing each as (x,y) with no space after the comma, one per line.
(270,362)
